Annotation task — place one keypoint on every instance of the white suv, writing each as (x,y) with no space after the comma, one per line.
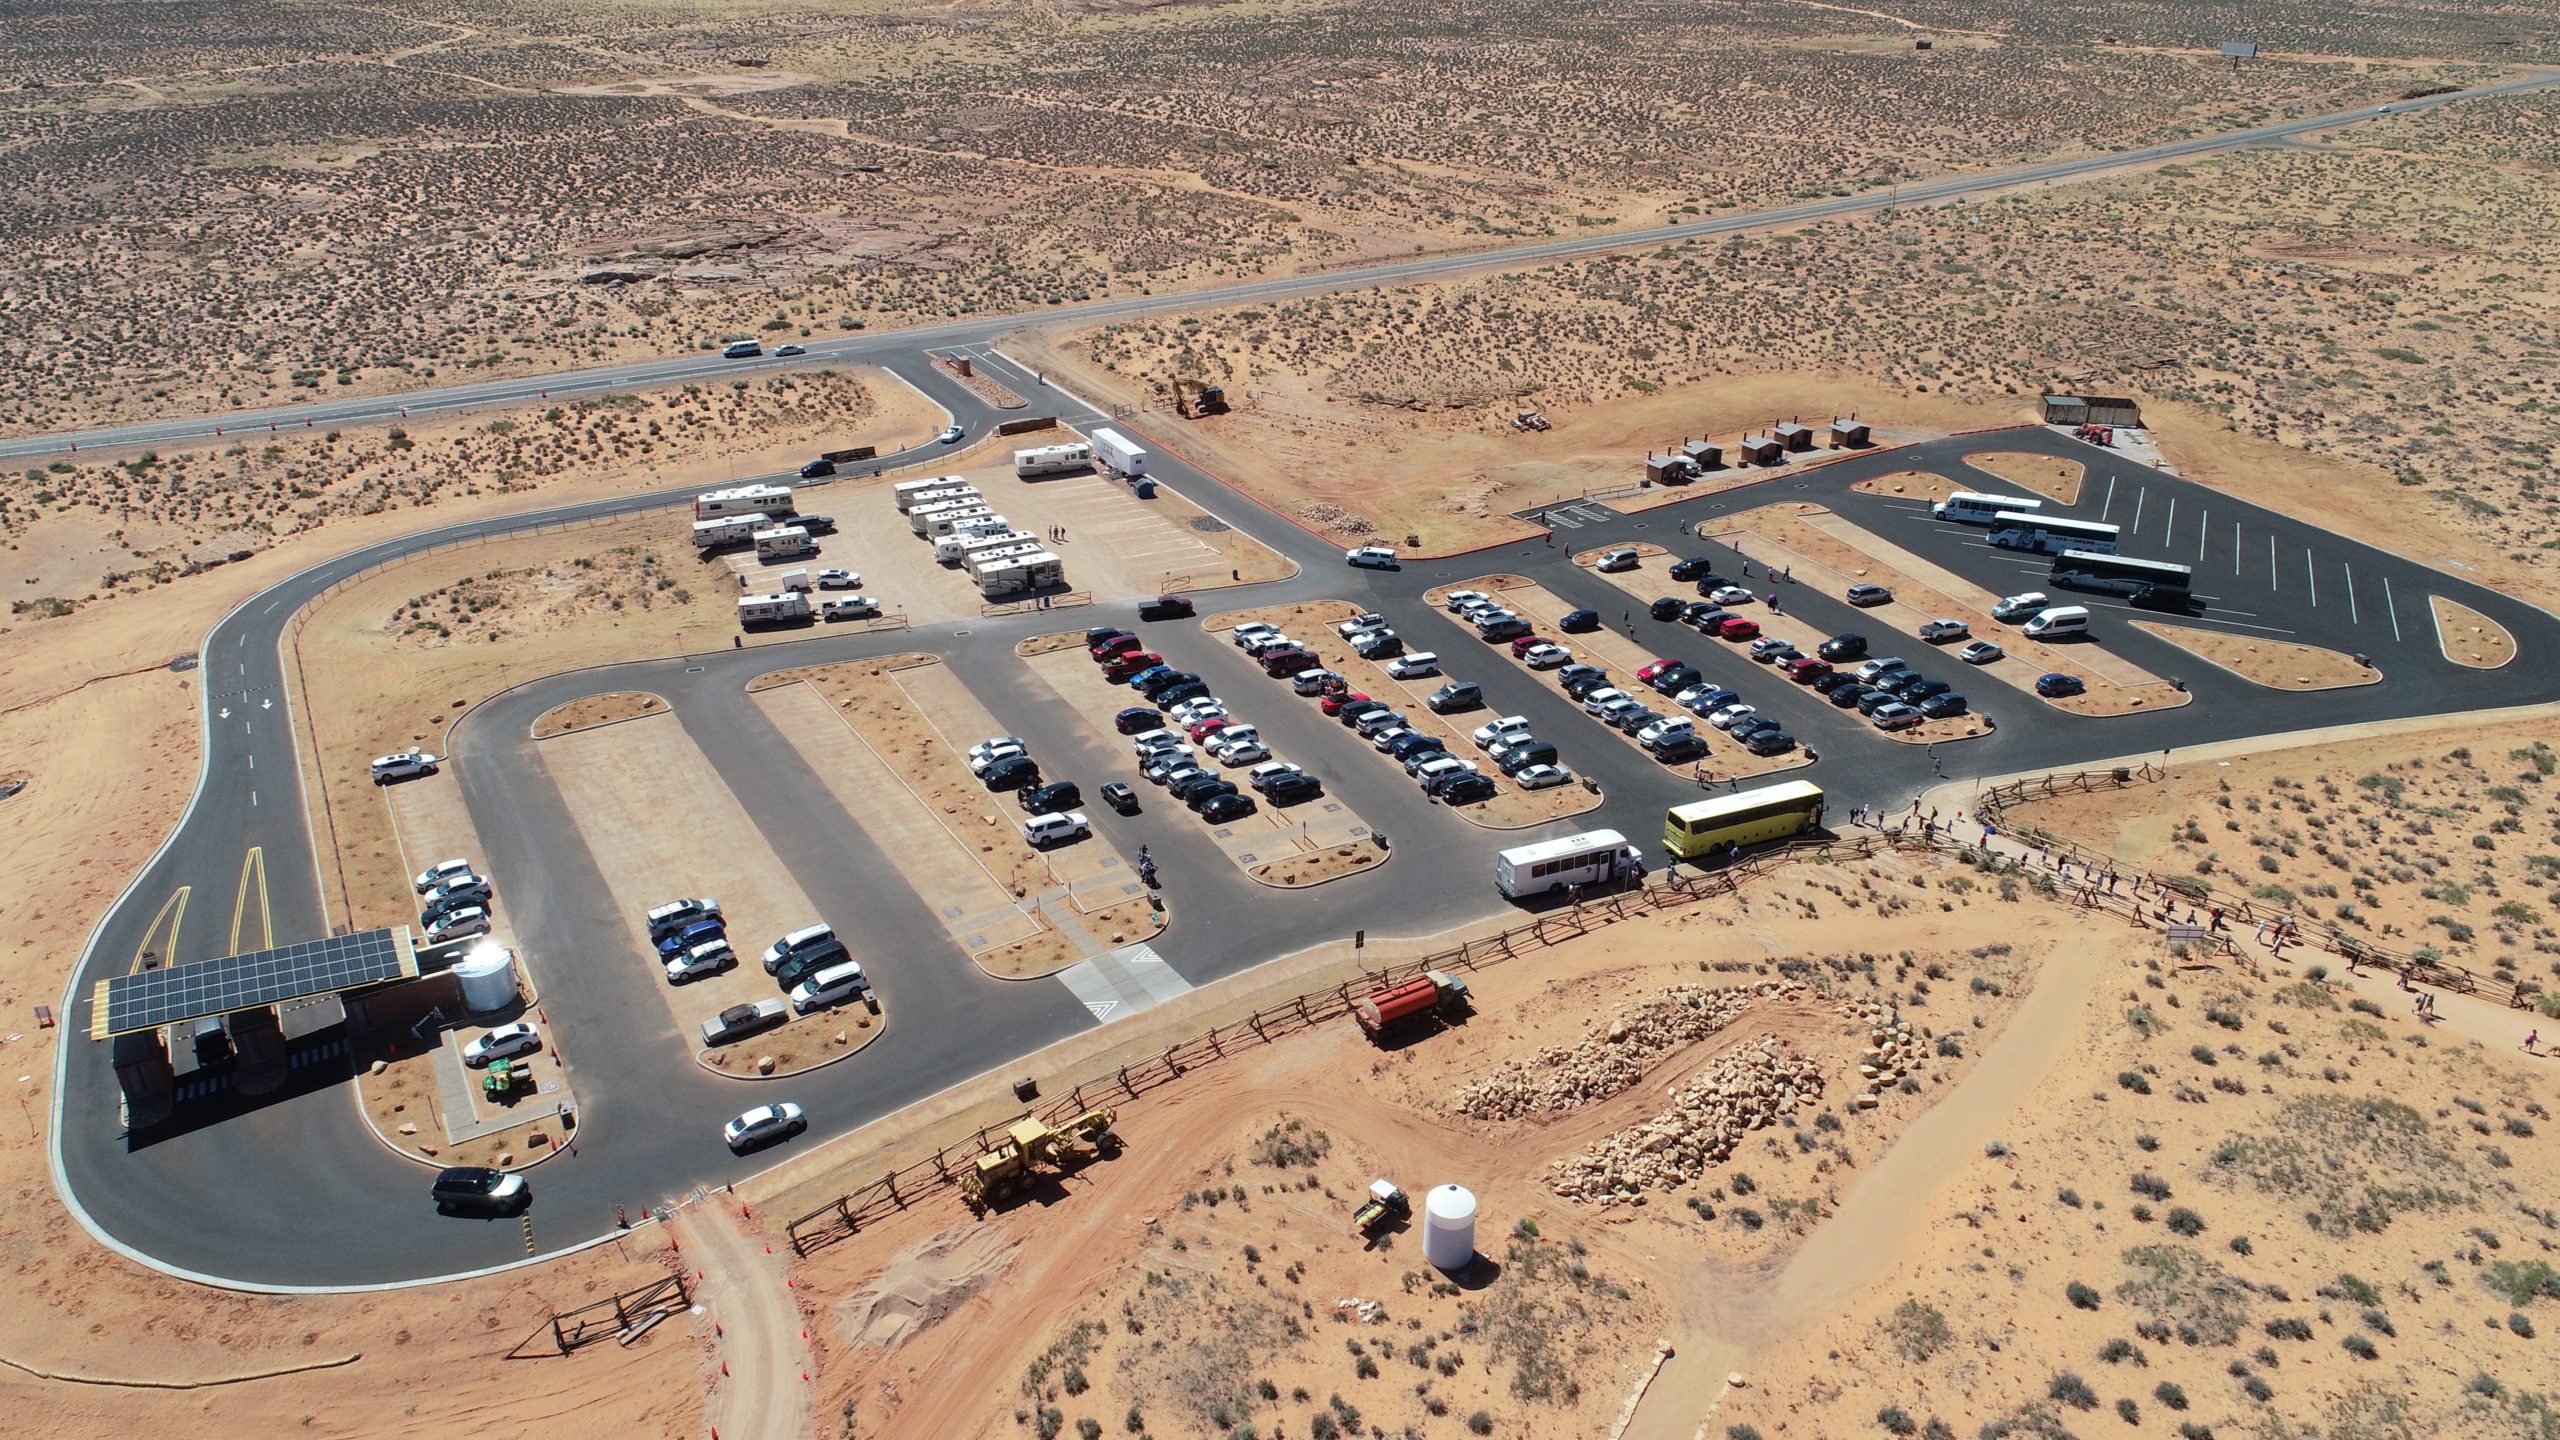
(1046,830)
(403,765)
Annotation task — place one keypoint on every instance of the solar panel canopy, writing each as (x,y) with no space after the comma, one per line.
(148,999)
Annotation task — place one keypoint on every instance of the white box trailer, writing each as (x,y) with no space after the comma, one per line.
(986,543)
(783,542)
(743,500)
(1036,571)
(1051,460)
(1116,452)
(952,547)
(1000,556)
(728,530)
(921,518)
(772,609)
(950,521)
(906,491)
(940,493)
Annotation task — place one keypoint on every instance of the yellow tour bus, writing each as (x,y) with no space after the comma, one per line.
(1774,812)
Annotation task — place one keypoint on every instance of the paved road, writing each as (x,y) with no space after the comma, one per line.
(202,1195)
(876,347)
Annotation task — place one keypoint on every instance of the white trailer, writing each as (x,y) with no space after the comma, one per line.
(796,582)
(950,521)
(986,543)
(1117,453)
(1051,460)
(772,609)
(728,530)
(743,500)
(784,542)
(905,491)
(951,548)
(1036,571)
(942,490)
(921,518)
(999,557)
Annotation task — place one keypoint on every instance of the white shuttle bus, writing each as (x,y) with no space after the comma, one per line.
(1594,857)
(1973,509)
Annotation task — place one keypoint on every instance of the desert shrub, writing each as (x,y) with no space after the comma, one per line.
(2357,1345)
(2377,1322)
(2257,1389)
(1291,1143)
(2081,1295)
(1088,1428)
(2131,1413)
(2150,1186)
(2073,1391)
(2180,1288)
(2185,1221)
(1918,1331)
(1741,1432)
(1480,1423)
(1897,1420)
(2069,1197)
(2517,1322)
(2169,1393)
(2133,1081)
(2120,1350)
(2289,1327)
(2521,1282)
(2352,1163)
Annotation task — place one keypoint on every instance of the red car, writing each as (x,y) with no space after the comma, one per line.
(1527,643)
(1332,704)
(1122,667)
(1204,728)
(1660,667)
(1117,645)
(1735,627)
(1281,664)
(1805,669)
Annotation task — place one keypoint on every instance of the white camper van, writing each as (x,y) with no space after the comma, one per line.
(2058,622)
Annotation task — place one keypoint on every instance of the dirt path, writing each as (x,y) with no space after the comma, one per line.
(1877,1216)
(761,1396)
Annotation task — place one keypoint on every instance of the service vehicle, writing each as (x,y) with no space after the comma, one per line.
(2058,622)
(1382,1010)
(1594,857)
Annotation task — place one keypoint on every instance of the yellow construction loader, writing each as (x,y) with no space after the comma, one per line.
(1033,1145)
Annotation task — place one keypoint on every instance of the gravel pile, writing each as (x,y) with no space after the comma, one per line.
(1615,1055)
(1758,1085)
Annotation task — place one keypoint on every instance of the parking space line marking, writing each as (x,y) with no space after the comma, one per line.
(2274,581)
(2235,547)
(2109,507)
(2204,533)
(2139,496)
(2169,530)
(2393,606)
(2352,617)
(2311,573)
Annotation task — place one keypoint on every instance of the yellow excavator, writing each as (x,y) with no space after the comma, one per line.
(1033,1145)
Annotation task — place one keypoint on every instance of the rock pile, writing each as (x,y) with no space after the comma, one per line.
(1615,1055)
(1894,1050)
(1758,1085)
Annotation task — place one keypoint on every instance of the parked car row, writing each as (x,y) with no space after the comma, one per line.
(454,901)
(812,967)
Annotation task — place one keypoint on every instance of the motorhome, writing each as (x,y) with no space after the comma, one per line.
(772,609)
(1051,460)
(906,491)
(1038,570)
(728,530)
(783,542)
(743,500)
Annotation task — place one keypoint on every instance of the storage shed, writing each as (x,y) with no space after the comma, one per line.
(1849,435)
(1794,436)
(1704,455)
(2091,410)
(1758,450)
(1669,469)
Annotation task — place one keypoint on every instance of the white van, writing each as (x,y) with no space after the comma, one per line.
(795,942)
(2057,622)
(832,986)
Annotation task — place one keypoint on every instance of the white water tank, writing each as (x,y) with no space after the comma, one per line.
(1449,1227)
(488,977)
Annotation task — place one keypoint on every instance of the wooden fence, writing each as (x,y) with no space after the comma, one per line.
(623,1314)
(2102,885)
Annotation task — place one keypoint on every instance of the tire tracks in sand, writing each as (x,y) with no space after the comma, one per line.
(761,1335)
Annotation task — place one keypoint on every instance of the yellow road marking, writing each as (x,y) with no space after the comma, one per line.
(255,861)
(173,910)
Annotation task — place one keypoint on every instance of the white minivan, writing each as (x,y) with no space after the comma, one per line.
(832,986)
(2059,621)
(795,942)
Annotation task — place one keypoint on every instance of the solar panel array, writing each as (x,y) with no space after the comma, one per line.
(147,999)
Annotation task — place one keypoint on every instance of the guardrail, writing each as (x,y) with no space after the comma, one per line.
(2101,879)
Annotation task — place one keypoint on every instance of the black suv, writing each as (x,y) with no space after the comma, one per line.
(1669,607)
(1013,774)
(479,1190)
(1463,789)
(1291,789)
(1843,647)
(808,962)
(1692,568)
(1165,607)
(1049,799)
(1581,680)
(1162,683)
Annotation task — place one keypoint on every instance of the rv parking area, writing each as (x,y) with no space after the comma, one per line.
(662,826)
